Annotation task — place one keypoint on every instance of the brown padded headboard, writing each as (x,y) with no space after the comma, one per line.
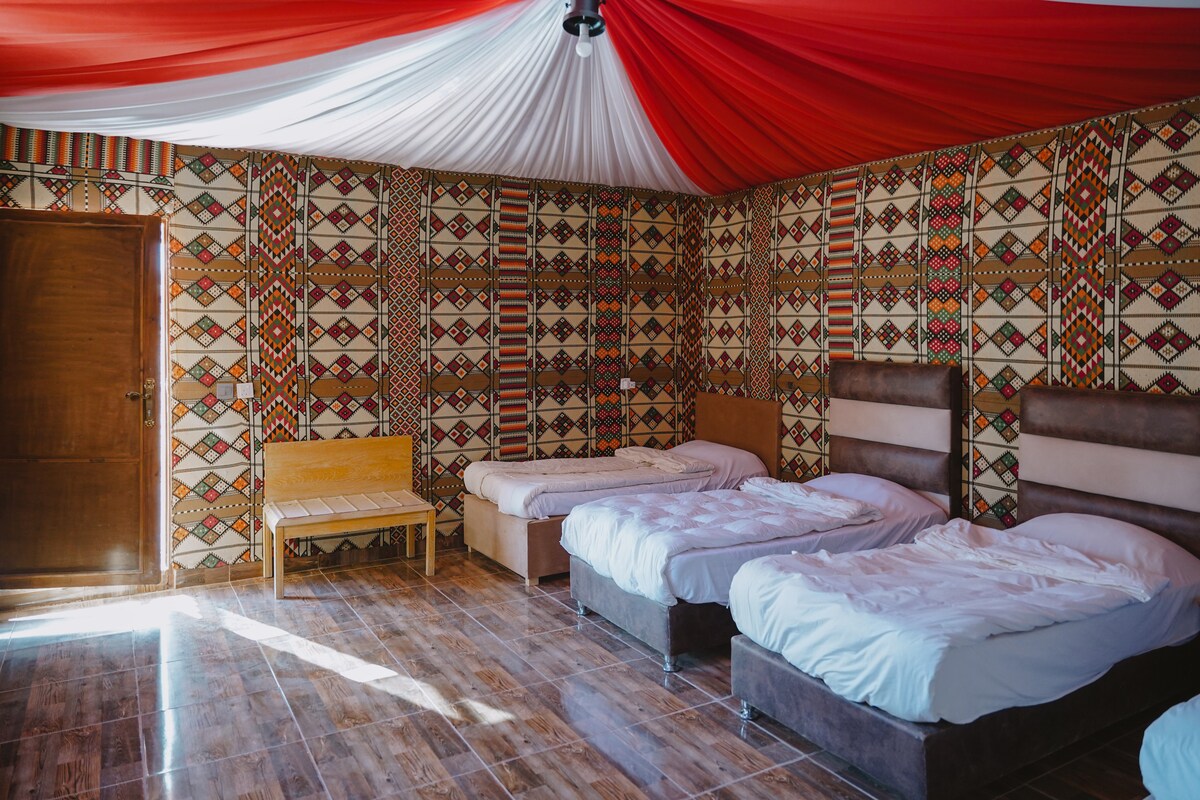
(921,386)
(752,425)
(1082,427)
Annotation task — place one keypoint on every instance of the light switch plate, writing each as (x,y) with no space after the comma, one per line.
(245,391)
(224,391)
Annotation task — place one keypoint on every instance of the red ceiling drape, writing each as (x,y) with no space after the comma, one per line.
(48,46)
(745,92)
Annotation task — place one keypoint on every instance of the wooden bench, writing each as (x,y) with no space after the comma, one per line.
(338,486)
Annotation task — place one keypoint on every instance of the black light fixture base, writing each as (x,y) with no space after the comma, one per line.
(581,13)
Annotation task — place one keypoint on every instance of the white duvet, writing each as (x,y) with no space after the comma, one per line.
(630,539)
(880,626)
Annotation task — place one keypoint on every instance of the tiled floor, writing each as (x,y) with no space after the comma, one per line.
(374,682)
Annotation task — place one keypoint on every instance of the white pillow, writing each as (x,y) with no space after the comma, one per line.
(889,497)
(731,465)
(1118,541)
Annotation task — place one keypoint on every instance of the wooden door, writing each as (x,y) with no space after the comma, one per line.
(80,382)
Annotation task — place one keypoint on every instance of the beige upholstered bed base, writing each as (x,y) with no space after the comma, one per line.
(529,547)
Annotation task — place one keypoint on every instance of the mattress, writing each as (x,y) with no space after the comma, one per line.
(1170,756)
(754,526)
(922,678)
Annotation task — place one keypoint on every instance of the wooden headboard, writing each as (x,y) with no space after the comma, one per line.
(902,422)
(1125,455)
(752,425)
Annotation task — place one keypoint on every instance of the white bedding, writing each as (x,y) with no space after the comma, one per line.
(964,651)
(1170,754)
(550,487)
(687,547)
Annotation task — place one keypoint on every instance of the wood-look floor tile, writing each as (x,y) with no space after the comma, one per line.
(302,617)
(481,785)
(393,756)
(776,729)
(526,617)
(558,654)
(278,773)
(307,585)
(708,670)
(452,566)
(454,657)
(625,694)
(334,704)
(471,593)
(1091,777)
(60,661)
(854,776)
(211,677)
(130,790)
(510,724)
(355,581)
(387,608)
(72,763)
(706,747)
(49,707)
(620,633)
(216,729)
(355,654)
(188,639)
(599,768)
(799,779)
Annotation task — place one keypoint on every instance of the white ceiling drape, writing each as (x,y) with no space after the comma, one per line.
(502,93)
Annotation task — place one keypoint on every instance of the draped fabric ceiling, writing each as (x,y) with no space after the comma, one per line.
(702,96)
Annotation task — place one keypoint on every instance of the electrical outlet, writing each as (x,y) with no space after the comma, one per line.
(627,383)
(245,391)
(224,391)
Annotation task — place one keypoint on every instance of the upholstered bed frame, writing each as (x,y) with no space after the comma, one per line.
(530,547)
(1131,457)
(896,421)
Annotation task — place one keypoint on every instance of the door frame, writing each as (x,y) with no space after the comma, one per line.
(153,343)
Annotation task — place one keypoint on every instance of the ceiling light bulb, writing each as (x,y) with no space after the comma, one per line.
(584,46)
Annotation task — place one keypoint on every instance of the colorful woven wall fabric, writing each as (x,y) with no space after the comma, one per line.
(759,310)
(365,300)
(652,303)
(799,335)
(1069,256)
(562,321)
(690,344)
(726,259)
(512,319)
(608,289)
(841,265)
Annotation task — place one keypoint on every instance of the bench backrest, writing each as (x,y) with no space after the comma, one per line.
(331,467)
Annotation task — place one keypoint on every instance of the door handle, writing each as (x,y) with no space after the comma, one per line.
(147,402)
(133,395)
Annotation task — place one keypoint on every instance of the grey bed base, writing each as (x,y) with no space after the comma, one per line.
(683,627)
(941,760)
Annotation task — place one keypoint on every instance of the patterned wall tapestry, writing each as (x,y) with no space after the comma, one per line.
(487,317)
(1067,257)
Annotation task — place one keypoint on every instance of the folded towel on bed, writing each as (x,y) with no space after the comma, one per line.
(663,459)
(853,512)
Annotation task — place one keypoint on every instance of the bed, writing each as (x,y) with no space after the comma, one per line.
(1170,754)
(896,422)
(1122,468)
(530,546)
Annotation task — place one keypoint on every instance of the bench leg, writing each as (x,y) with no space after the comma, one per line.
(267,555)
(410,548)
(278,542)
(430,539)
(531,581)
